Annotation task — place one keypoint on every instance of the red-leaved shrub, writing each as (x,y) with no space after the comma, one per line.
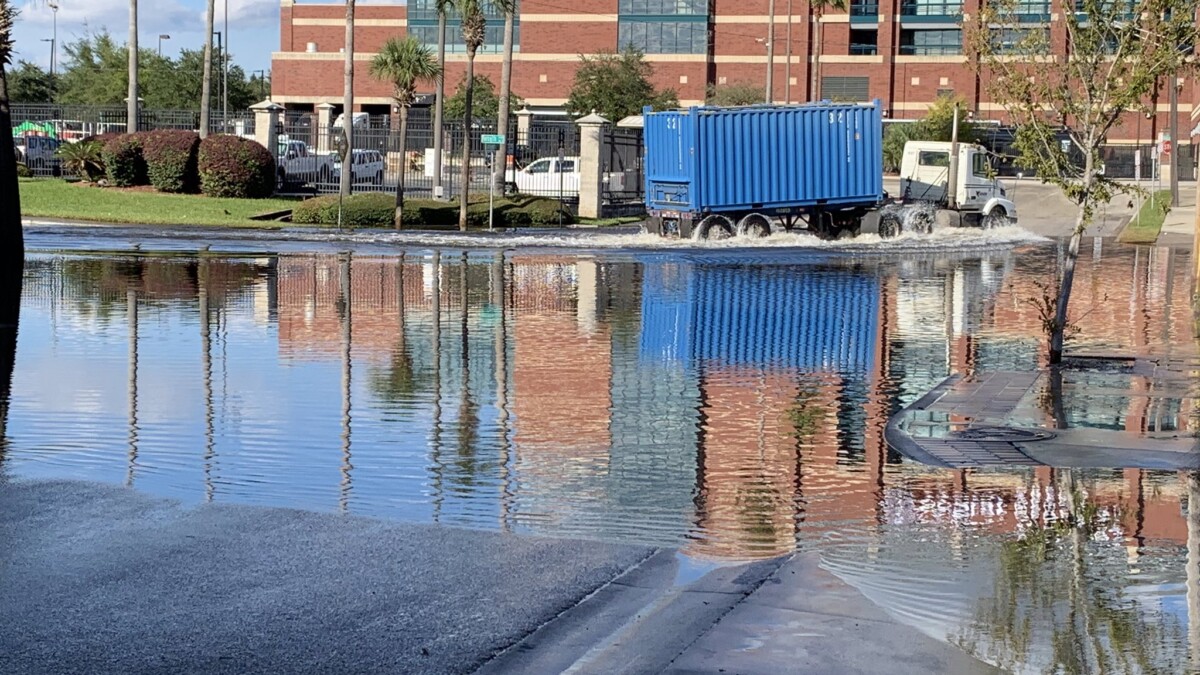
(172,160)
(235,167)
(123,160)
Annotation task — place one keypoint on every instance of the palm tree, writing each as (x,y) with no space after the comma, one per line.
(404,62)
(131,109)
(509,7)
(347,177)
(818,8)
(474,31)
(206,83)
(439,104)
(12,249)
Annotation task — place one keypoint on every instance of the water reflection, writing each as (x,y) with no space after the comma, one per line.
(727,404)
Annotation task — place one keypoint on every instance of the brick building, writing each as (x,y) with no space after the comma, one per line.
(904,52)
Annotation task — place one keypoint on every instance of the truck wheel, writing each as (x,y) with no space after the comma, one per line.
(889,226)
(754,225)
(997,218)
(714,227)
(922,222)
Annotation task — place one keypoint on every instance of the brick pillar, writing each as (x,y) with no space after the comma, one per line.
(591,152)
(266,125)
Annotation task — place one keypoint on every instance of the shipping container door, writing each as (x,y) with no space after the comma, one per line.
(670,155)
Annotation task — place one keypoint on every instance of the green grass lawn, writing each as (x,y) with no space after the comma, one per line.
(1147,224)
(44,198)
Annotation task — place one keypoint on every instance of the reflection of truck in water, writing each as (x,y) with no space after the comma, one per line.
(716,172)
(817,319)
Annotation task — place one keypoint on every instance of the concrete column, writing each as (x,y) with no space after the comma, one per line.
(266,125)
(324,124)
(591,153)
(524,120)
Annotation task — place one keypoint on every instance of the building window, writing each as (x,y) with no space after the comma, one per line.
(864,42)
(847,89)
(1017,40)
(423,20)
(864,8)
(931,42)
(936,8)
(663,37)
(663,7)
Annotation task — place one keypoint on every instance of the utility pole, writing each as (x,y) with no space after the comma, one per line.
(770,52)
(225,74)
(54,48)
(1173,129)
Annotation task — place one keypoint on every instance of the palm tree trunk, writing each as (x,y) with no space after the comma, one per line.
(347,176)
(500,165)
(131,109)
(465,174)
(439,105)
(206,84)
(12,258)
(815,66)
(403,154)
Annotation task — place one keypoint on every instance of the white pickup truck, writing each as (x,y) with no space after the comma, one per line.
(298,165)
(550,176)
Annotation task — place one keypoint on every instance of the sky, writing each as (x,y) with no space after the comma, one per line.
(253,24)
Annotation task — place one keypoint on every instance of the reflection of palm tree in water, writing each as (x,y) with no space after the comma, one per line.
(468,410)
(1193,567)
(132,314)
(345,307)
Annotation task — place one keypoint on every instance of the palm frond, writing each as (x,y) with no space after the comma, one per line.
(8,18)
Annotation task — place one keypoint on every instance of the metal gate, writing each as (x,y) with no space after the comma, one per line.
(622,172)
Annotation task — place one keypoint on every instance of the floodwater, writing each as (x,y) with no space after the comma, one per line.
(728,400)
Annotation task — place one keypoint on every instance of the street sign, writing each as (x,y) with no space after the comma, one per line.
(1166,147)
(493,139)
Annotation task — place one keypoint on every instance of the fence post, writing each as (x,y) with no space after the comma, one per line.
(324,124)
(266,125)
(591,168)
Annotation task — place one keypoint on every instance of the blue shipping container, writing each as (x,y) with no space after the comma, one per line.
(771,159)
(814,319)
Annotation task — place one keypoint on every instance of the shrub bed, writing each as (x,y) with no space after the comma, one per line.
(172,160)
(235,167)
(377,209)
(123,160)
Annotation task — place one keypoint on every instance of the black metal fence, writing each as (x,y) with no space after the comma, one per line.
(622,170)
(541,161)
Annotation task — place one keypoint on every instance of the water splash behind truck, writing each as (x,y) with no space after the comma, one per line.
(718,172)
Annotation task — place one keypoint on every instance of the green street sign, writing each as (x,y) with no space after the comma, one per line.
(493,139)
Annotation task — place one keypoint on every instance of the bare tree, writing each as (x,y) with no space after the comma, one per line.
(1066,102)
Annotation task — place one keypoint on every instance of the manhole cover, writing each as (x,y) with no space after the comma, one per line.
(1008,434)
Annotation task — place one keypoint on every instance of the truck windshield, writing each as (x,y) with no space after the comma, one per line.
(939,159)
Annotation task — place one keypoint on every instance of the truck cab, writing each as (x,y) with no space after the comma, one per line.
(925,177)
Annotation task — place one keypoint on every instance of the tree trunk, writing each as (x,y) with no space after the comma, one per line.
(464,190)
(347,177)
(206,83)
(1068,275)
(439,105)
(131,106)
(403,165)
(815,66)
(12,258)
(500,165)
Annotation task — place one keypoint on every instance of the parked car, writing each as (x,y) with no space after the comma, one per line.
(298,165)
(365,166)
(548,177)
(37,153)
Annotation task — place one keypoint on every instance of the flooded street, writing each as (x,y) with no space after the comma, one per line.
(729,401)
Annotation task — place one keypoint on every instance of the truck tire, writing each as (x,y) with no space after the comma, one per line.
(998,217)
(890,226)
(754,225)
(714,227)
(921,222)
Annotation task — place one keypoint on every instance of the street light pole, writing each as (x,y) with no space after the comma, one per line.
(54,45)
(225,70)
(1174,131)
(162,37)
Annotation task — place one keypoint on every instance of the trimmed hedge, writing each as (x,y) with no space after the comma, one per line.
(172,160)
(231,166)
(23,171)
(123,160)
(377,209)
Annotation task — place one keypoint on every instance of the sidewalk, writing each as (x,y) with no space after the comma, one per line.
(1180,225)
